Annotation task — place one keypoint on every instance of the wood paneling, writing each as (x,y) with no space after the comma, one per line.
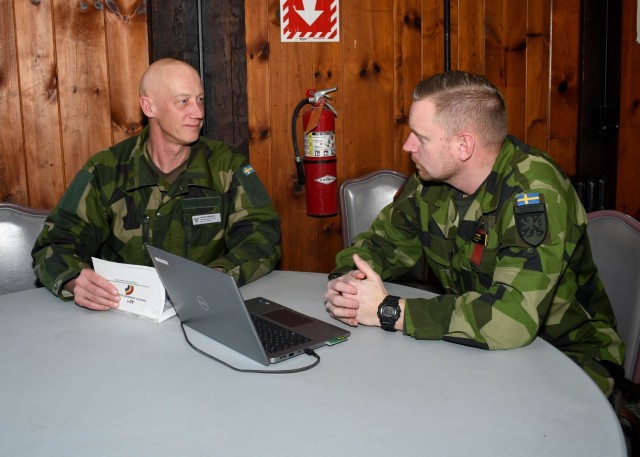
(628,190)
(38,75)
(564,90)
(407,57)
(13,175)
(536,106)
(506,57)
(69,79)
(212,40)
(128,57)
(69,87)
(385,49)
(259,99)
(85,110)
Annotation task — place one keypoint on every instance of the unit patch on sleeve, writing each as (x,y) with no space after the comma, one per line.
(530,213)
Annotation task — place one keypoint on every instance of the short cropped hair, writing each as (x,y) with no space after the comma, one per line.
(466,101)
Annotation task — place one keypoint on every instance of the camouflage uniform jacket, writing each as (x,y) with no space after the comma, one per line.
(513,260)
(217,213)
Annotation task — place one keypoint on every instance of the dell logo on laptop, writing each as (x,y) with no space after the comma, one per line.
(203,303)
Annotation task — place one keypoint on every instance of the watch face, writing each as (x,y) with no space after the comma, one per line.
(388,311)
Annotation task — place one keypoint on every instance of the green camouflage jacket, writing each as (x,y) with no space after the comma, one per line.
(513,260)
(216,213)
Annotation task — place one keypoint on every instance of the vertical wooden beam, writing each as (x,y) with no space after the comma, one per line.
(536,128)
(628,197)
(471,37)
(599,108)
(505,50)
(432,42)
(238,84)
(13,177)
(225,72)
(407,21)
(368,81)
(128,57)
(83,84)
(39,95)
(565,83)
(259,92)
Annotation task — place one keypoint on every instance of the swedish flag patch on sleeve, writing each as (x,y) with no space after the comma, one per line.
(253,188)
(528,198)
(530,215)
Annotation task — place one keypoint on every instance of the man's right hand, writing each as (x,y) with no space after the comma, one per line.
(90,290)
(339,300)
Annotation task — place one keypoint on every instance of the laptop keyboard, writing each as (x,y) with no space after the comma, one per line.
(275,338)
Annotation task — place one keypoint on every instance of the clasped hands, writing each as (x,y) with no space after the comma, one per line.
(353,298)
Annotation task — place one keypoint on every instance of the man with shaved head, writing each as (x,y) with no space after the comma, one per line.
(167,187)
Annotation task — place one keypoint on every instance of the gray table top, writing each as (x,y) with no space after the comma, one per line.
(79,383)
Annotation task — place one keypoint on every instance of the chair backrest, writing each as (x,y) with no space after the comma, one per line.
(19,228)
(615,244)
(361,199)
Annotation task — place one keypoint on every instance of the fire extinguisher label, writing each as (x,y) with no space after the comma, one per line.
(320,144)
(327,179)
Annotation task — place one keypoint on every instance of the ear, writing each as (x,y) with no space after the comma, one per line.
(466,146)
(147,106)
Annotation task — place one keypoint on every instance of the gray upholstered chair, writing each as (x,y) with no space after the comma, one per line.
(19,228)
(615,244)
(362,198)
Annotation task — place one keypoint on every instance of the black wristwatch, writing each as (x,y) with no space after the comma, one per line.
(389,312)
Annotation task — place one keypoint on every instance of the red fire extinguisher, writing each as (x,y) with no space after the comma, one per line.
(319,153)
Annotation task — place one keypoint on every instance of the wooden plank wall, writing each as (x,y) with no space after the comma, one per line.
(217,51)
(69,73)
(385,48)
(628,196)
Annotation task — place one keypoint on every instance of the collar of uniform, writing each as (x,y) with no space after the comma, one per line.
(488,195)
(198,170)
(437,195)
(142,175)
(485,200)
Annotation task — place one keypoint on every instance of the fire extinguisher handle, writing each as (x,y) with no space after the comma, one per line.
(318,94)
(328,105)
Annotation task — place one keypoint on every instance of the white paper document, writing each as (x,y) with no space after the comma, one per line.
(141,291)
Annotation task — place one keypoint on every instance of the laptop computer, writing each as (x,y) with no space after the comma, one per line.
(210,302)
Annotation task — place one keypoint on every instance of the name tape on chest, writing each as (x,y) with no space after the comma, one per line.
(200,219)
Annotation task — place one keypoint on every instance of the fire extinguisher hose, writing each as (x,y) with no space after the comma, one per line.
(294,137)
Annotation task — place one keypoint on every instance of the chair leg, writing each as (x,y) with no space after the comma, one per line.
(634,423)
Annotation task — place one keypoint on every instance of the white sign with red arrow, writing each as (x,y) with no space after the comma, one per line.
(309,20)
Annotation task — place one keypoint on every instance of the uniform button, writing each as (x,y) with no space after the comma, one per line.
(158,214)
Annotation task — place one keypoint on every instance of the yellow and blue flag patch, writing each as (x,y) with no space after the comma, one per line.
(528,198)
(530,215)
(247,170)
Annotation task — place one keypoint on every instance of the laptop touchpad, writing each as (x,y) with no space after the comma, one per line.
(287,317)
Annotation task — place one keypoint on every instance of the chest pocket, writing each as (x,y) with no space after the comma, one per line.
(438,252)
(202,219)
(476,258)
